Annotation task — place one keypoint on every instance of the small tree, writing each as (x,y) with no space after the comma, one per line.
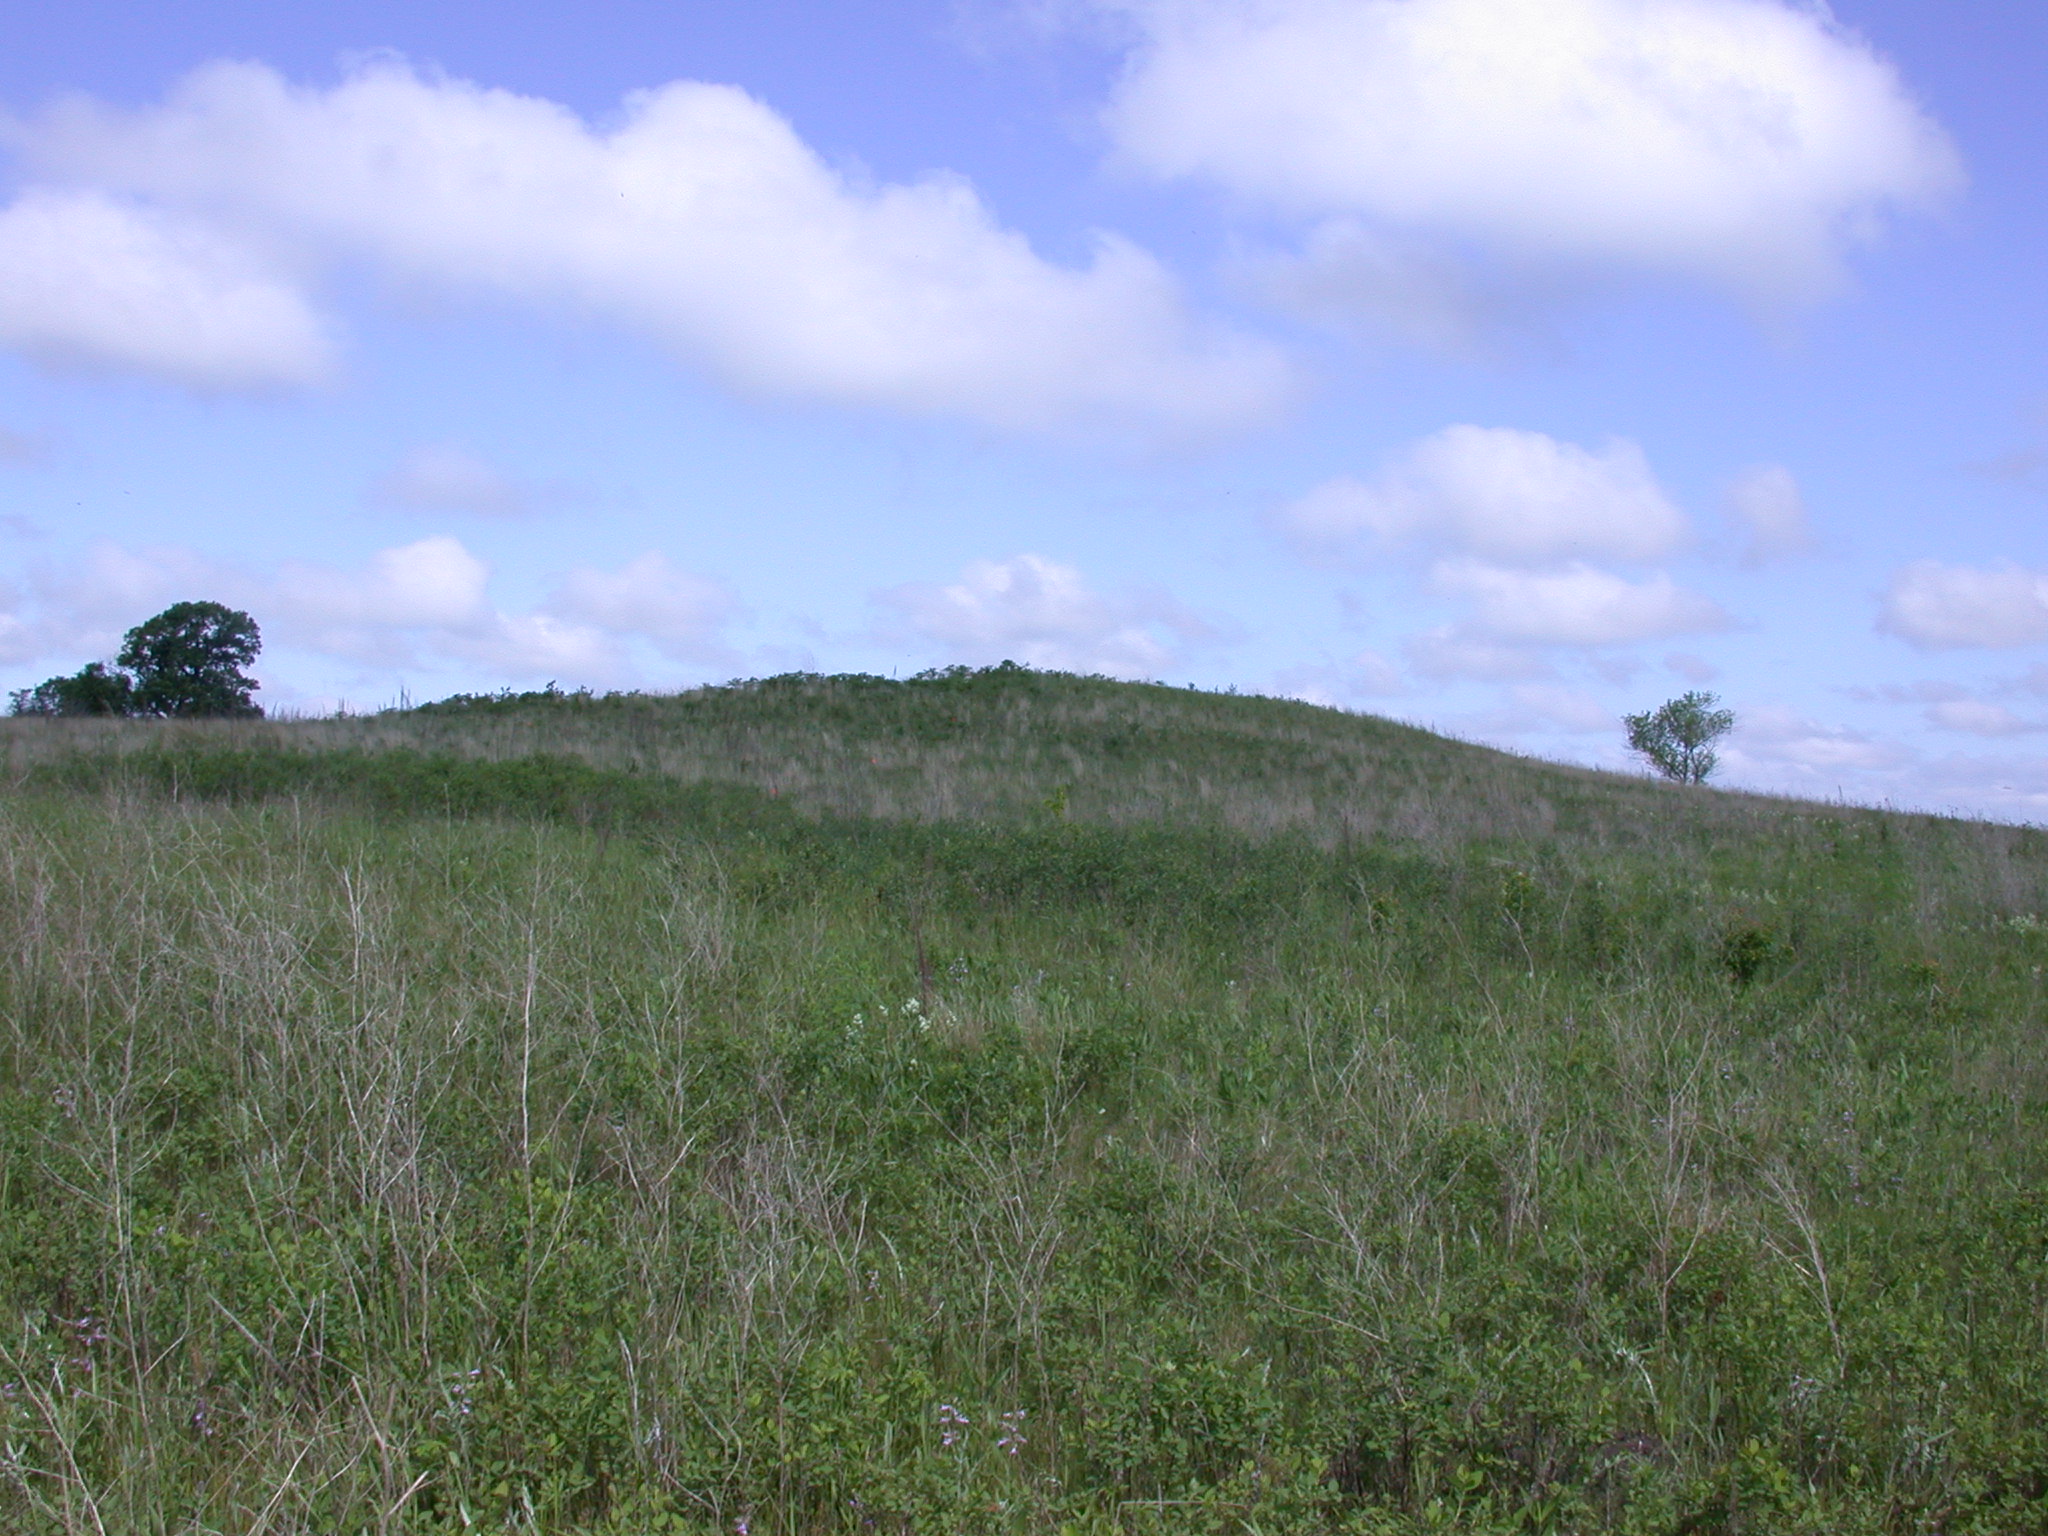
(189,660)
(1678,738)
(92,690)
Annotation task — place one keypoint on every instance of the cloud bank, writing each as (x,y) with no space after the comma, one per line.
(426,603)
(700,220)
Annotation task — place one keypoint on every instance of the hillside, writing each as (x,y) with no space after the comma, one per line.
(1001,1101)
(995,744)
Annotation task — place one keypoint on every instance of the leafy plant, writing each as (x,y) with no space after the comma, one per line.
(1677,738)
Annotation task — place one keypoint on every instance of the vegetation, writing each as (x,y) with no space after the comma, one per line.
(92,690)
(1677,738)
(1000,1102)
(190,660)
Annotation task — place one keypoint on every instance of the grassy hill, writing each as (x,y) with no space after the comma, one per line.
(1000,1102)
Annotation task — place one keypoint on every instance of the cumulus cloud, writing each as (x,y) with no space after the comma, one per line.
(1575,606)
(699,219)
(1504,495)
(375,613)
(649,597)
(1765,501)
(90,281)
(442,477)
(1949,607)
(1746,143)
(1044,614)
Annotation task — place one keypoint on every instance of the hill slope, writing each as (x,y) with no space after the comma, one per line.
(995,744)
(1000,1102)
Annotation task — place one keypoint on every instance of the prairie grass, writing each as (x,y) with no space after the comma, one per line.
(1300,1124)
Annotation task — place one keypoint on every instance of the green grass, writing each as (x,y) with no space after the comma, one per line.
(643,1114)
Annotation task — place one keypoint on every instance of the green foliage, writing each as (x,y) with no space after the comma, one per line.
(1677,738)
(404,1132)
(190,660)
(92,690)
(187,661)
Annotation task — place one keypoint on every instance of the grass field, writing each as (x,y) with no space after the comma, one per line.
(1001,1102)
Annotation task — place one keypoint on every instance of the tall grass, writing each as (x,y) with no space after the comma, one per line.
(415,1142)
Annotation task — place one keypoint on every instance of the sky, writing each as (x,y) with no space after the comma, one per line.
(1505,366)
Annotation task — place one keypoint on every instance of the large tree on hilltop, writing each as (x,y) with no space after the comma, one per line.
(189,660)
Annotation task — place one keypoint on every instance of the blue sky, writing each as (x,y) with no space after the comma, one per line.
(1503,365)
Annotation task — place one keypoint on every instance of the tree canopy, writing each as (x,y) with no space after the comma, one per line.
(190,660)
(1677,738)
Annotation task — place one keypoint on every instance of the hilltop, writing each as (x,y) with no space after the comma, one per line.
(995,745)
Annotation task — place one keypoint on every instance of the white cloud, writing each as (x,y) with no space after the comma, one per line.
(1949,706)
(1773,736)
(1925,691)
(1977,717)
(1575,606)
(1550,706)
(432,597)
(699,219)
(1538,709)
(373,614)
(418,604)
(19,640)
(1504,495)
(1766,502)
(536,645)
(1371,674)
(93,601)
(1747,143)
(89,281)
(1453,651)
(648,597)
(442,477)
(1044,614)
(2015,787)
(1949,607)
(1368,675)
